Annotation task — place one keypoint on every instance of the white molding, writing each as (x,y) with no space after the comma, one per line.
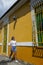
(2,38)
(7,37)
(23,44)
(1,44)
(34,21)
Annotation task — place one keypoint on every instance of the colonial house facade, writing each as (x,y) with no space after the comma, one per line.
(24,21)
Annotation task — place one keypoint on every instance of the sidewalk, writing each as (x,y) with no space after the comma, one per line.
(5,61)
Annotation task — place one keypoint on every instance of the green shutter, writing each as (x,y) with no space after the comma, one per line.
(39,24)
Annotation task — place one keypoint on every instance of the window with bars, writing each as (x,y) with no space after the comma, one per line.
(39,23)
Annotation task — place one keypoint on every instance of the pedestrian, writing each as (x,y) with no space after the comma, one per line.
(13,48)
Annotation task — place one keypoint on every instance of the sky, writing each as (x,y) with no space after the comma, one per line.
(5,5)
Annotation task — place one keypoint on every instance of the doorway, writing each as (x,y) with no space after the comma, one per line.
(5,39)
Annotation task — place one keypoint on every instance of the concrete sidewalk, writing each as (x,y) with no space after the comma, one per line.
(4,60)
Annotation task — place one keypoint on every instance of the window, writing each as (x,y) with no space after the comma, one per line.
(39,23)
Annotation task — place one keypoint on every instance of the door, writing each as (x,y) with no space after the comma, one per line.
(5,40)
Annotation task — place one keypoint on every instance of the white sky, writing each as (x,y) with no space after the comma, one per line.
(5,5)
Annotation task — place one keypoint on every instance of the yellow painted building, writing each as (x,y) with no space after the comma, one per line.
(20,22)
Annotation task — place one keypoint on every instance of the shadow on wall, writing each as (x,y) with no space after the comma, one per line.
(22,11)
(15,23)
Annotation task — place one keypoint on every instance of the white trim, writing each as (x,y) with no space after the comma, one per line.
(2,38)
(7,37)
(23,44)
(34,21)
(0,44)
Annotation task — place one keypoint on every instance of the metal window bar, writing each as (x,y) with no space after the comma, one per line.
(38,50)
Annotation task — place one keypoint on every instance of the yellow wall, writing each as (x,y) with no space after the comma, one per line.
(25,53)
(23,27)
(23,33)
(0,35)
(0,49)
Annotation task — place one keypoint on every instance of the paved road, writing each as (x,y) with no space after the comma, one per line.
(5,61)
